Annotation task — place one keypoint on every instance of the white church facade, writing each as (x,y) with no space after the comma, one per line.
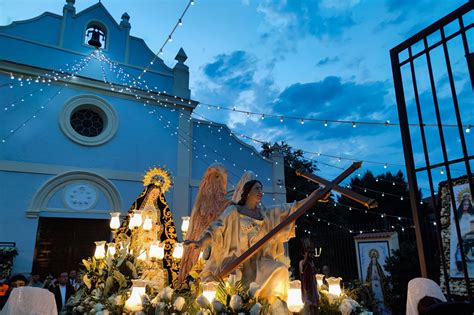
(79,128)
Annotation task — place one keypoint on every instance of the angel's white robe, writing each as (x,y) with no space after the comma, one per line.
(233,233)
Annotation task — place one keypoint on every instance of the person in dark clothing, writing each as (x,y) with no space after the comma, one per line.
(62,291)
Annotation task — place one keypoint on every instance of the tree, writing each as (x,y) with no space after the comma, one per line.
(402,266)
(391,193)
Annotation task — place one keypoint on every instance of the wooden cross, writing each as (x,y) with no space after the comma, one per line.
(309,203)
(368,202)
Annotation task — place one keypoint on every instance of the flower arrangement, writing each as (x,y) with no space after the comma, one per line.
(233,297)
(6,260)
(346,302)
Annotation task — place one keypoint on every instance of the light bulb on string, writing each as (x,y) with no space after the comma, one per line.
(468,128)
(325,123)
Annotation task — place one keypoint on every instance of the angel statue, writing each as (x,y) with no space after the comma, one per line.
(239,227)
(210,202)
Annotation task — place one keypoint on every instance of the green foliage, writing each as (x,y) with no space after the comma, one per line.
(361,293)
(403,266)
(392,185)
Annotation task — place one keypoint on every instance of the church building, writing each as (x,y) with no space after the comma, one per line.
(86,110)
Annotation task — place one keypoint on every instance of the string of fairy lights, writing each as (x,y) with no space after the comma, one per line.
(47,79)
(102,58)
(179,134)
(168,39)
(324,121)
(183,135)
(338,157)
(353,231)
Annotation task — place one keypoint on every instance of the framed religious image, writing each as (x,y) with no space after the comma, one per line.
(465,211)
(372,251)
(372,255)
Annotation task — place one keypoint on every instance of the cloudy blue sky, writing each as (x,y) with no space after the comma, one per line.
(326,59)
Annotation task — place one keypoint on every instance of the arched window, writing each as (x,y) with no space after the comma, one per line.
(96,35)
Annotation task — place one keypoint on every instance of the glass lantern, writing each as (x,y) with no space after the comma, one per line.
(135,302)
(99,250)
(295,302)
(114,220)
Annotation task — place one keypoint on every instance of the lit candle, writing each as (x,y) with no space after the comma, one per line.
(132,223)
(295,303)
(147,224)
(135,303)
(185,225)
(178,251)
(334,285)
(99,250)
(138,218)
(156,250)
(209,290)
(111,249)
(114,220)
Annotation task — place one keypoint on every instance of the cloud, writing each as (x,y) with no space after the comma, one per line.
(235,69)
(236,80)
(294,19)
(332,98)
(327,60)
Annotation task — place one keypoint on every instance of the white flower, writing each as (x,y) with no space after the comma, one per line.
(217,306)
(236,302)
(347,306)
(253,288)
(179,303)
(202,301)
(80,309)
(256,308)
(166,294)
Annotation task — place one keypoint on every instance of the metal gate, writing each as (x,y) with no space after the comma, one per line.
(433,73)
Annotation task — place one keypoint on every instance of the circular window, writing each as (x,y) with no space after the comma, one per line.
(88,120)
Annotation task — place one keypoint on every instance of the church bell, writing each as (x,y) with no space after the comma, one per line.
(95,39)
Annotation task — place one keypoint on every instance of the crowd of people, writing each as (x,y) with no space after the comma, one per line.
(63,286)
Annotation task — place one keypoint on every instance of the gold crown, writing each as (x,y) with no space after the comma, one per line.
(159,177)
